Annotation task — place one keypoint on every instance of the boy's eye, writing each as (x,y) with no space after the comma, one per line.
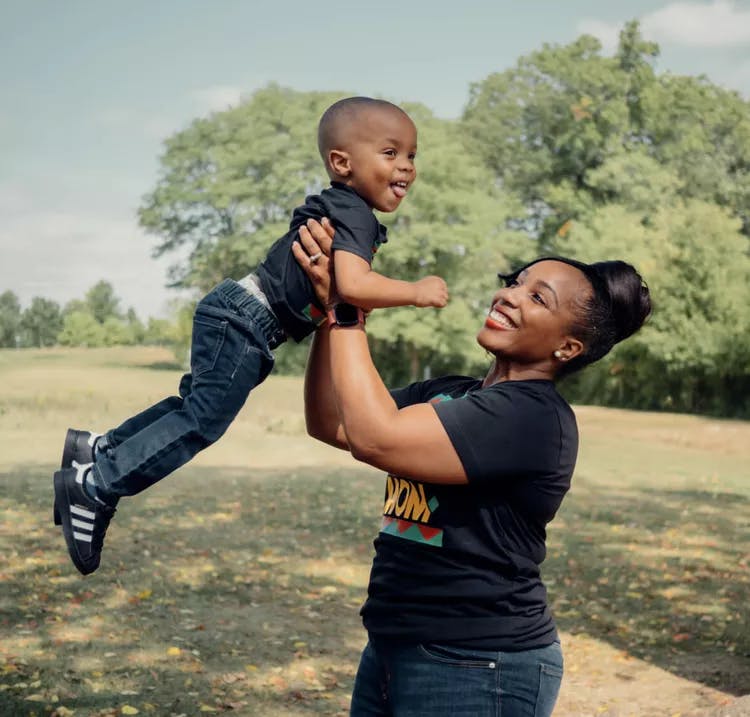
(390,152)
(412,156)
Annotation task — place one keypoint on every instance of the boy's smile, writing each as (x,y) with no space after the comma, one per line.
(380,153)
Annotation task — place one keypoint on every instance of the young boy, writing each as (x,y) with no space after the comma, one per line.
(368,147)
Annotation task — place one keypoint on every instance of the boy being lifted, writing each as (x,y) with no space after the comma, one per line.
(368,147)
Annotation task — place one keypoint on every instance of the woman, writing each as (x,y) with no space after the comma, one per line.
(456,612)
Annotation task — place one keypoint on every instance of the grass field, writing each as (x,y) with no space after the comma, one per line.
(234,585)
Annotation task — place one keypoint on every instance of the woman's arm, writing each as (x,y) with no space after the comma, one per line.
(321,414)
(410,442)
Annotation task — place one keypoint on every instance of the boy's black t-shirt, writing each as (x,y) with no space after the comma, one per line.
(460,564)
(283,281)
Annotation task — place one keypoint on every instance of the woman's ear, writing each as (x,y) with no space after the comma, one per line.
(339,162)
(569,349)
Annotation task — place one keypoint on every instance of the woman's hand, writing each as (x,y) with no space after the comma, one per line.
(312,252)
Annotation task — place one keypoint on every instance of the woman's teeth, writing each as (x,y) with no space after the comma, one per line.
(501,319)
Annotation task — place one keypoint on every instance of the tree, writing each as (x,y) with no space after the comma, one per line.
(693,353)
(612,160)
(564,112)
(229,183)
(41,322)
(135,327)
(10,319)
(81,329)
(102,302)
(453,223)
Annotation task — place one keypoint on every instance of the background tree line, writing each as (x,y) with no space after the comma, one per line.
(568,152)
(95,320)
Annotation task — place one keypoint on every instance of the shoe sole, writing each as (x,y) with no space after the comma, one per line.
(70,450)
(62,506)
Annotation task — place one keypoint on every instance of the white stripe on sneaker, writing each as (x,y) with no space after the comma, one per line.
(82,524)
(82,536)
(82,512)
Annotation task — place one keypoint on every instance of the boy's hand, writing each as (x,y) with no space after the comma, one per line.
(431,291)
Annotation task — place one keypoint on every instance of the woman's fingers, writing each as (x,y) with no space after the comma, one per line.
(307,252)
(322,232)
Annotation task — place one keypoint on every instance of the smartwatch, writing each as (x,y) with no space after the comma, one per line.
(342,314)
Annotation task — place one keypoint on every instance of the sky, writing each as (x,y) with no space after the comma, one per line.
(90,90)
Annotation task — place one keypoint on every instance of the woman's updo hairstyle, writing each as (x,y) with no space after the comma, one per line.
(616,308)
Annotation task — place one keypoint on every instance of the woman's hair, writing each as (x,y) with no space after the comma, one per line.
(616,308)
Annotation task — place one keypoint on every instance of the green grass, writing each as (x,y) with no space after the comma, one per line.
(243,597)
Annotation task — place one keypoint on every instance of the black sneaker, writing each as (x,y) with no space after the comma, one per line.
(84,520)
(78,448)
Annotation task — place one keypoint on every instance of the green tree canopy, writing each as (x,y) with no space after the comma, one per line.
(229,183)
(41,322)
(565,111)
(80,328)
(10,318)
(102,302)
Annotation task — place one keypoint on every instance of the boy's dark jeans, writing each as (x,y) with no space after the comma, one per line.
(233,333)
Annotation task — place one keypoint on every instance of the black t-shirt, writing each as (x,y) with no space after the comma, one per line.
(283,281)
(460,563)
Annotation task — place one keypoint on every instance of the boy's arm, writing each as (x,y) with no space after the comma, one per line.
(357,284)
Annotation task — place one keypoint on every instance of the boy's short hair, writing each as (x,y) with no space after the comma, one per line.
(340,114)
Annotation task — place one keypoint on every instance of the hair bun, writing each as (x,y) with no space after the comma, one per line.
(628,295)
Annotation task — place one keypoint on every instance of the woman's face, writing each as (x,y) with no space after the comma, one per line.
(530,320)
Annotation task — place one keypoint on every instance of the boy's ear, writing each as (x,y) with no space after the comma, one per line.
(339,162)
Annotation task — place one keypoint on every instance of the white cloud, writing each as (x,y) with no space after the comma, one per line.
(721,23)
(216,97)
(59,253)
(717,24)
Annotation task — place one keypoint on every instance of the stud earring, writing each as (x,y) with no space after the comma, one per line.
(558,354)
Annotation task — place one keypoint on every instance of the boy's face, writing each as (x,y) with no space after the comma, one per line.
(380,152)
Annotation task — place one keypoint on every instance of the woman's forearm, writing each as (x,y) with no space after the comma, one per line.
(365,405)
(321,414)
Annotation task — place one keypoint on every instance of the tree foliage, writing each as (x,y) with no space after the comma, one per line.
(612,160)
(570,152)
(230,182)
(41,322)
(10,319)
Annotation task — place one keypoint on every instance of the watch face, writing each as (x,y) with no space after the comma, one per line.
(346,314)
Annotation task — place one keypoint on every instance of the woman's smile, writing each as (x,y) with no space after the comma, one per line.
(499,320)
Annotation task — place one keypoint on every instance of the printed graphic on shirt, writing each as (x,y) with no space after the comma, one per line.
(314,314)
(407,512)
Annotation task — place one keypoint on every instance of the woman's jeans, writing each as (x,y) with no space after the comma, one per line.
(233,333)
(443,681)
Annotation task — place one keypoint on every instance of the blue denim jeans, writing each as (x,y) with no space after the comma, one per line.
(443,681)
(233,333)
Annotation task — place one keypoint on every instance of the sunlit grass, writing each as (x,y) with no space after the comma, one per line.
(235,584)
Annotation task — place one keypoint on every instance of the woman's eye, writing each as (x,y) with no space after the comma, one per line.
(539,299)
